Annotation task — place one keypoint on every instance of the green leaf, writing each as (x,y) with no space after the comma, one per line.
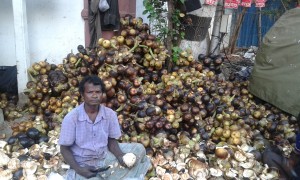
(182,34)
(145,2)
(145,12)
(176,49)
(175,58)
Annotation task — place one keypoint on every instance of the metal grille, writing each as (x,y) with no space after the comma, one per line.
(198,29)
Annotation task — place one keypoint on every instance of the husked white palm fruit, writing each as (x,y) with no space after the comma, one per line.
(129,159)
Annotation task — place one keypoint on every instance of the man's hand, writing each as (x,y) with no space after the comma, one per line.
(114,148)
(120,159)
(69,158)
(86,172)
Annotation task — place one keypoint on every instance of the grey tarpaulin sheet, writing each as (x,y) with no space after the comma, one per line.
(276,73)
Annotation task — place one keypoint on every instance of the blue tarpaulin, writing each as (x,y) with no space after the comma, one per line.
(249,35)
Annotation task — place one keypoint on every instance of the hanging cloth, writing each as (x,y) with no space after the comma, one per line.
(110,19)
(94,23)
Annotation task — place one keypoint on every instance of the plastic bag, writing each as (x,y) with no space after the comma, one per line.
(103,5)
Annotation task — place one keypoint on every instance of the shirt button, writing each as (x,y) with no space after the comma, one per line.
(94,134)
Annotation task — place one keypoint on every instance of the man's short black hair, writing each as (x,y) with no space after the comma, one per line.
(95,80)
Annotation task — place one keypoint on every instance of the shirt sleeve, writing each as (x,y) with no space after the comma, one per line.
(114,130)
(67,132)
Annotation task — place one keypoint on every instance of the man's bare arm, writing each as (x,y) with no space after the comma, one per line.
(114,148)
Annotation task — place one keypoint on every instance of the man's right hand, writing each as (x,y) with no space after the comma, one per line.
(86,172)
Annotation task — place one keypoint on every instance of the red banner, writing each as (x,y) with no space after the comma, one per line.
(211,2)
(260,3)
(232,4)
(246,3)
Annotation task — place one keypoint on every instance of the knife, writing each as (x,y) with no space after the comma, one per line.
(101,169)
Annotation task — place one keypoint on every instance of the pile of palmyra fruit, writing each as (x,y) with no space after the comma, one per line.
(193,122)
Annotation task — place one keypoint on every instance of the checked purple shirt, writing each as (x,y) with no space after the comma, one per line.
(88,140)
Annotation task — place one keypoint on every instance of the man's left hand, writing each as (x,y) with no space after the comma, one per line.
(122,163)
(120,159)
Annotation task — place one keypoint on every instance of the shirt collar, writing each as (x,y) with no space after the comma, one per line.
(84,117)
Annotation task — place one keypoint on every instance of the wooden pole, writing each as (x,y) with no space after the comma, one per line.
(259,27)
(236,31)
(170,36)
(283,5)
(215,38)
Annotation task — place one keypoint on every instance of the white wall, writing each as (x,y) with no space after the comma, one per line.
(7,44)
(55,27)
(203,46)
(139,11)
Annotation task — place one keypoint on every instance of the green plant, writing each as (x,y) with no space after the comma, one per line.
(166,19)
(176,53)
(178,32)
(156,11)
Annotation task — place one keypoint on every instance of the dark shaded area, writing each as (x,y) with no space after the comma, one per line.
(192,5)
(8,80)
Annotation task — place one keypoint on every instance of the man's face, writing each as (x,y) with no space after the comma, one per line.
(92,94)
